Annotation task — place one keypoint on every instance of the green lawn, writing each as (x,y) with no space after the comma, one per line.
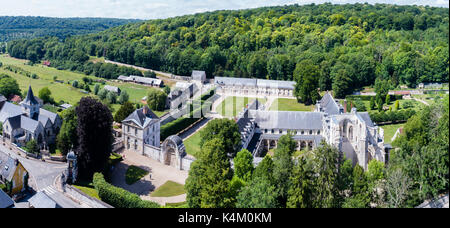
(63,91)
(92,192)
(286,104)
(231,106)
(87,188)
(169,189)
(192,144)
(134,174)
(389,131)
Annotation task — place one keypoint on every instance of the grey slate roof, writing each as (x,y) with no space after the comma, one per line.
(366,117)
(112,88)
(7,166)
(329,105)
(250,82)
(198,75)
(52,116)
(30,99)
(276,84)
(5,200)
(10,110)
(287,120)
(42,200)
(142,117)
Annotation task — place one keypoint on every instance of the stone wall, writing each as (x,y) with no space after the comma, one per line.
(152,152)
(84,199)
(186,163)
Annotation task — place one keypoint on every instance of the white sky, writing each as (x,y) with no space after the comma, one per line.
(152,9)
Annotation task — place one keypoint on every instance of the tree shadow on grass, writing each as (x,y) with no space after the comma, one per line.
(141,187)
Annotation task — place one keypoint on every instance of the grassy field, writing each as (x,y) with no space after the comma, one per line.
(389,131)
(169,189)
(134,174)
(64,91)
(192,144)
(231,106)
(286,104)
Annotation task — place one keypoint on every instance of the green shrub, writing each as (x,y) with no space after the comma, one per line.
(118,197)
(176,126)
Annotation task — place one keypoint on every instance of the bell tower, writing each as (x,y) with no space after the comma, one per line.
(30,105)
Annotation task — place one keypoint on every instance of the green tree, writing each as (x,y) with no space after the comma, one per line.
(259,193)
(156,99)
(283,166)
(46,95)
(324,163)
(372,103)
(243,165)
(67,137)
(102,94)
(207,185)
(388,99)
(306,74)
(299,193)
(225,129)
(32,147)
(8,86)
(124,111)
(96,89)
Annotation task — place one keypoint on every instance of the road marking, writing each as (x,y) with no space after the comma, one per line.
(49,190)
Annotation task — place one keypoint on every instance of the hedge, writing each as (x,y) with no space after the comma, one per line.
(392,116)
(118,197)
(368,97)
(176,126)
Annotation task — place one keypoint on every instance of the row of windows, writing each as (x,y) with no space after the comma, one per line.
(136,130)
(294,132)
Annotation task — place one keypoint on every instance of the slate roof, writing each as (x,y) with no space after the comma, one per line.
(287,120)
(329,105)
(250,82)
(142,117)
(276,84)
(7,166)
(112,88)
(30,99)
(42,200)
(198,75)
(52,116)
(10,110)
(5,200)
(366,117)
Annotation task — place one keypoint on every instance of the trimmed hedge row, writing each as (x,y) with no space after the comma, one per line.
(182,123)
(392,116)
(368,97)
(176,126)
(118,197)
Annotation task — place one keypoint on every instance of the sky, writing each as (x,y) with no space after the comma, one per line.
(159,9)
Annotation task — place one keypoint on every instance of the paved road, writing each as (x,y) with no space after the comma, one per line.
(43,176)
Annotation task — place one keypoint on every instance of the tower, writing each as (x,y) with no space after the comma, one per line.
(30,105)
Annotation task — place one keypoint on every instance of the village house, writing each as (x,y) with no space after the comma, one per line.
(12,173)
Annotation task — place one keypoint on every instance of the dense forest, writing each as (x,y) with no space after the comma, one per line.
(345,47)
(13,28)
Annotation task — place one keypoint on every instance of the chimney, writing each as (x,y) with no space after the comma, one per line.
(345,106)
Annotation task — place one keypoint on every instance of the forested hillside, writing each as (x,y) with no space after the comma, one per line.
(13,28)
(346,46)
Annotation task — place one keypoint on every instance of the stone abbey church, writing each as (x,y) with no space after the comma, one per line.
(353,133)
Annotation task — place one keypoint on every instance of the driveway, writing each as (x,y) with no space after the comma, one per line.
(158,175)
(43,176)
